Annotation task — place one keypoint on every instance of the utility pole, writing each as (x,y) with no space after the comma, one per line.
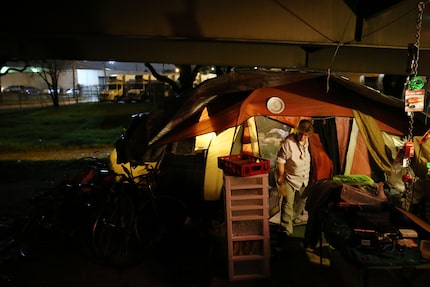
(74,81)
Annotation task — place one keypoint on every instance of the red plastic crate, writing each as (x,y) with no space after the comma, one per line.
(243,165)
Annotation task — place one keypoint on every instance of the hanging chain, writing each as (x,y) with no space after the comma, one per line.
(411,126)
(414,64)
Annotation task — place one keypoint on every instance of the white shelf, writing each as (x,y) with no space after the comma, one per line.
(247,214)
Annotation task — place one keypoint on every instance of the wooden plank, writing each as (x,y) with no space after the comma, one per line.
(420,222)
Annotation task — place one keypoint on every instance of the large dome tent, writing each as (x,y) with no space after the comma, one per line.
(357,126)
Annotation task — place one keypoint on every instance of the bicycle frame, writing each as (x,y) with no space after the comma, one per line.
(116,237)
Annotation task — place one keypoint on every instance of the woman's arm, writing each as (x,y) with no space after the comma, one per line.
(280,168)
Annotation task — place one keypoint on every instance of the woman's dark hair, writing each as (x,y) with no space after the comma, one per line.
(304,126)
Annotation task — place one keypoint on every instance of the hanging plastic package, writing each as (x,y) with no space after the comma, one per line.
(409,149)
(415,95)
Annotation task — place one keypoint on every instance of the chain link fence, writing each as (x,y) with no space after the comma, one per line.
(20,100)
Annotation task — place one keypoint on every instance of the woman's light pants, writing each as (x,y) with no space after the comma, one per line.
(292,206)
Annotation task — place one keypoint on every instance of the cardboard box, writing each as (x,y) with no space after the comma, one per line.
(408,233)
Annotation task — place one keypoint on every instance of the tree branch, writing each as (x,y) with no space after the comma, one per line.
(164,79)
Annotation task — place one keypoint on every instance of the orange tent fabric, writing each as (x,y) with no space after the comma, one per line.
(303,98)
(323,165)
(233,98)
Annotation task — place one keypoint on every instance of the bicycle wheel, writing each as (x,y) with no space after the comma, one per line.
(113,238)
(159,220)
(38,234)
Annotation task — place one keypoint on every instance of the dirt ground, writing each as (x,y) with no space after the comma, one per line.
(58,155)
(200,254)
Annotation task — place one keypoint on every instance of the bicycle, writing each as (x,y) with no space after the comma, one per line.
(68,209)
(136,218)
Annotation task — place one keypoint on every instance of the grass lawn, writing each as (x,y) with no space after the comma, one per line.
(85,125)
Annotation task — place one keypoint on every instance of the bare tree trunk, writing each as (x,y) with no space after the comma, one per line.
(55,101)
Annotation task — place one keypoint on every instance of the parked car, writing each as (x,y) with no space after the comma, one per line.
(134,95)
(14,89)
(51,91)
(71,92)
(19,89)
(32,91)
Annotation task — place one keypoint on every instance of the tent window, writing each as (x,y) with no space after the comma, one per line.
(270,133)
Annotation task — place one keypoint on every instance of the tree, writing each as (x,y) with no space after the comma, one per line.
(50,71)
(5,69)
(187,76)
(185,83)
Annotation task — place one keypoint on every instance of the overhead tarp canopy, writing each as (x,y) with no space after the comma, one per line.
(362,36)
(233,98)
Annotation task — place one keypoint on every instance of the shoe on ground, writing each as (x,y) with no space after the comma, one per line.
(299,221)
(281,230)
(302,219)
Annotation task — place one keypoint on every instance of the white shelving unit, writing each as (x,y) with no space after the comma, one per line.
(248,233)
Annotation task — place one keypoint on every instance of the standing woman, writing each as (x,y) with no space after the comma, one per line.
(293,173)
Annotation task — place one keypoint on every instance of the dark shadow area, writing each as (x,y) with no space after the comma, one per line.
(195,256)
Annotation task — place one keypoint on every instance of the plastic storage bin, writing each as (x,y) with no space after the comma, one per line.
(354,195)
(243,165)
